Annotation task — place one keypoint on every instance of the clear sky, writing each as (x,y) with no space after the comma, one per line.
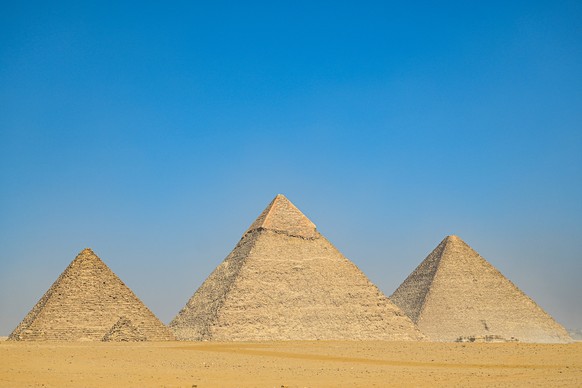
(155,133)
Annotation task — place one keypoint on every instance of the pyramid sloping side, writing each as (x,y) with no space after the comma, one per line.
(19,332)
(85,301)
(194,321)
(411,294)
(124,331)
(468,297)
(292,288)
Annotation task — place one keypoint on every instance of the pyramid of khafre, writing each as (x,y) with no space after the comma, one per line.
(285,281)
(455,294)
(88,302)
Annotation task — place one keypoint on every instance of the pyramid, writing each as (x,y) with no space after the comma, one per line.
(456,295)
(285,281)
(84,304)
(124,331)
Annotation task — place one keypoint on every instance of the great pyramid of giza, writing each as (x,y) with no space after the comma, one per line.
(285,281)
(455,294)
(88,302)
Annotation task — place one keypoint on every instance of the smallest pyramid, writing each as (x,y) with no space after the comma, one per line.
(84,304)
(124,331)
(456,295)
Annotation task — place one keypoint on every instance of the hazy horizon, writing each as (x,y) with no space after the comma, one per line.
(155,135)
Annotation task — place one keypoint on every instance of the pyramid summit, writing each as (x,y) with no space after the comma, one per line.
(456,294)
(285,281)
(88,302)
(282,216)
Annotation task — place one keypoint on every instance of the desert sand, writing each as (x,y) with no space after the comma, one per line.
(288,364)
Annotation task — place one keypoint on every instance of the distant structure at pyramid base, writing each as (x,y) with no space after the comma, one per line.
(285,281)
(124,331)
(456,295)
(88,302)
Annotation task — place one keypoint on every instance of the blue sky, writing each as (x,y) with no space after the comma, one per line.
(155,134)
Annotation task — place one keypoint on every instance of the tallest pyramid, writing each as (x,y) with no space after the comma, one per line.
(285,281)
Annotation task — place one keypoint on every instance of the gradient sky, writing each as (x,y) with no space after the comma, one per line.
(156,133)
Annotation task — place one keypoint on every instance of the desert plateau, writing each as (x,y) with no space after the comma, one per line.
(288,364)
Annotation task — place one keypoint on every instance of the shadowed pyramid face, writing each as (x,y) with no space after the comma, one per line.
(85,303)
(285,281)
(456,293)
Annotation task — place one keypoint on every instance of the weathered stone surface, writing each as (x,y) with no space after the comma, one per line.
(285,281)
(282,216)
(455,293)
(124,331)
(84,304)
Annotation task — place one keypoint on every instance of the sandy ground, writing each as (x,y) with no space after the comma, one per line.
(288,364)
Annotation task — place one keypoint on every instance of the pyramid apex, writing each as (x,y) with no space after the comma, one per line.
(455,240)
(282,198)
(87,255)
(282,216)
(457,244)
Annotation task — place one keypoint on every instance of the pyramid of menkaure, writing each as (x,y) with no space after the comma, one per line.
(455,293)
(87,303)
(285,281)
